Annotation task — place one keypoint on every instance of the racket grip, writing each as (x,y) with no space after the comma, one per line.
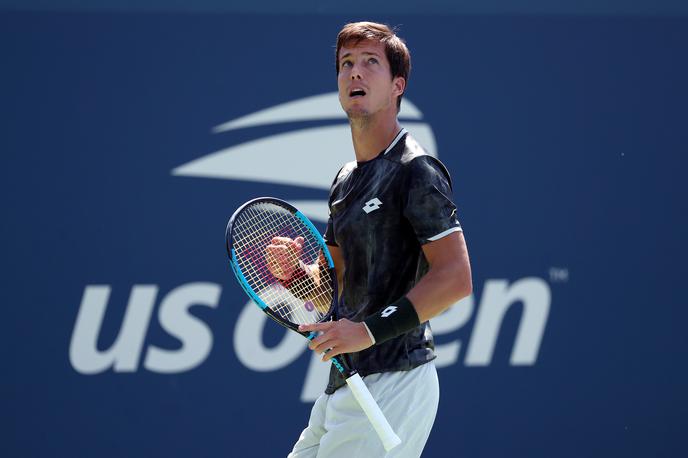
(372,410)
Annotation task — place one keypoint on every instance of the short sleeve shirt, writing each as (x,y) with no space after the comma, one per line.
(381,213)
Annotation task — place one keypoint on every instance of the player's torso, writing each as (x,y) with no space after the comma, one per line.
(382,256)
(379,249)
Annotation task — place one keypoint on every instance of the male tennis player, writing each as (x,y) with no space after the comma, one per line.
(399,253)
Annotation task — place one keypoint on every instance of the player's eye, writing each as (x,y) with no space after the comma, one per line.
(372,60)
(346,64)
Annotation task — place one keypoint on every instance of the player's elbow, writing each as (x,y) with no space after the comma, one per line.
(461,283)
(467,288)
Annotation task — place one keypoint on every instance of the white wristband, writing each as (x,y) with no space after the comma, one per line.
(370,334)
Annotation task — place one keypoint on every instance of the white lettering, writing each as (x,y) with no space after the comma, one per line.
(248,342)
(497,297)
(451,320)
(196,337)
(123,355)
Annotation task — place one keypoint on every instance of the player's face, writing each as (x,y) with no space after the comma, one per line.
(365,82)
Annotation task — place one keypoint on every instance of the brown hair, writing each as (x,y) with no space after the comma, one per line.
(395,49)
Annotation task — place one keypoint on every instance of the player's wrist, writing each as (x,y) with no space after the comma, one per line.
(370,334)
(394,320)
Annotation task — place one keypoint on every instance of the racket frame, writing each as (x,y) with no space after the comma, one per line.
(244,283)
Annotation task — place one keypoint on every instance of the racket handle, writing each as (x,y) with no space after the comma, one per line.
(372,410)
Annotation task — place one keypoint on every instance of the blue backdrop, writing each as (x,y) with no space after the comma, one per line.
(124,333)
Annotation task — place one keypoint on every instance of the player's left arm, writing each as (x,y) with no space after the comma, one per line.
(447,281)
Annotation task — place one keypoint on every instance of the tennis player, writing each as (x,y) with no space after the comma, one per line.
(399,254)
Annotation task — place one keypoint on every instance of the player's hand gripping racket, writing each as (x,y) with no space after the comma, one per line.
(283,264)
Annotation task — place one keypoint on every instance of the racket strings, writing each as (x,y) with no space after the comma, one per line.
(302,300)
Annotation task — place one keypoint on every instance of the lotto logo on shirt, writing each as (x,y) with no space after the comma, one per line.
(372,205)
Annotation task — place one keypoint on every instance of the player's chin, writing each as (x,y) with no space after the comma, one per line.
(354,112)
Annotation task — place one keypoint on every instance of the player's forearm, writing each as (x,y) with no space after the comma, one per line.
(447,281)
(440,288)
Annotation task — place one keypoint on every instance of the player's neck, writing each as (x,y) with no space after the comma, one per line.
(372,135)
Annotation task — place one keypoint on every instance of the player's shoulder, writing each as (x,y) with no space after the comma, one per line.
(341,176)
(411,155)
(343,173)
(408,151)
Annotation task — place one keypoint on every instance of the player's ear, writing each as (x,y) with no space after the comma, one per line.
(398,86)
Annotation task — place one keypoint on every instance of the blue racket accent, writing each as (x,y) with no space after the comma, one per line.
(315,232)
(339,367)
(336,363)
(244,283)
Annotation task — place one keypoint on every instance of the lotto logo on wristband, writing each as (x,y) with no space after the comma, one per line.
(388,311)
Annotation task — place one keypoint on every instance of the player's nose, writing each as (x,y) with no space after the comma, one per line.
(355,74)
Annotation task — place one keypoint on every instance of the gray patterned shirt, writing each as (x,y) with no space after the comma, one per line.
(381,212)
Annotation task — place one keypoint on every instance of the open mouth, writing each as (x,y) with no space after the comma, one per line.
(357,93)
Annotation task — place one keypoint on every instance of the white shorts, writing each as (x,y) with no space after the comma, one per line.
(338,428)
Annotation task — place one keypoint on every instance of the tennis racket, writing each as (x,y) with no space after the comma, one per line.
(306,293)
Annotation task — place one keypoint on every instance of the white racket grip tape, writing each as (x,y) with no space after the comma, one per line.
(372,410)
